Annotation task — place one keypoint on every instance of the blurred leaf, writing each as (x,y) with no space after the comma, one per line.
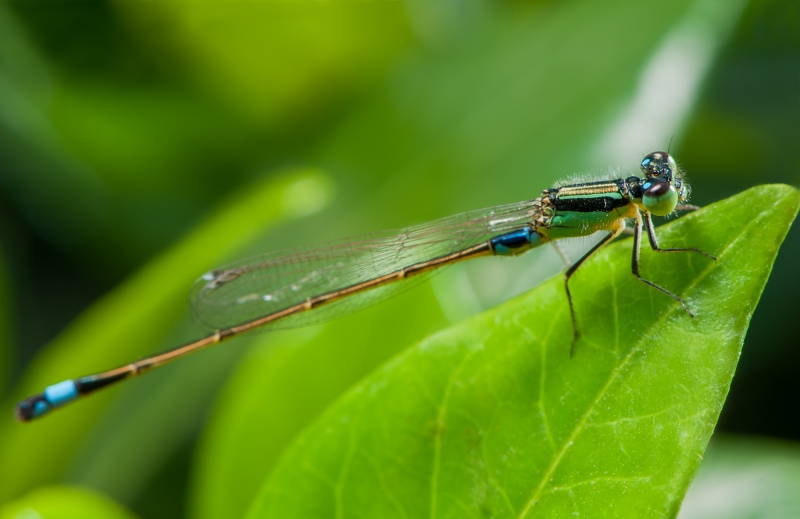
(111,167)
(493,418)
(745,120)
(490,122)
(112,174)
(742,129)
(61,502)
(745,477)
(6,306)
(130,322)
(281,64)
(77,153)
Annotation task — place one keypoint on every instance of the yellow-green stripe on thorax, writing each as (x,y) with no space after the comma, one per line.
(583,209)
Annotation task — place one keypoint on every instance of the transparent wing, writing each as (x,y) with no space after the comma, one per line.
(259,286)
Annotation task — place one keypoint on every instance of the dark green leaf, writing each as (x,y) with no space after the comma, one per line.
(132,321)
(114,163)
(6,308)
(492,418)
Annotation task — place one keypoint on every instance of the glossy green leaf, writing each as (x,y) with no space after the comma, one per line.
(140,316)
(490,123)
(745,477)
(493,418)
(62,502)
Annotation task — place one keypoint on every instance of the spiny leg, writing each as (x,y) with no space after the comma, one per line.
(651,234)
(571,270)
(637,243)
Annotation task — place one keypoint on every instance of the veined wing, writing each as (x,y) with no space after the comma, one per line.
(262,285)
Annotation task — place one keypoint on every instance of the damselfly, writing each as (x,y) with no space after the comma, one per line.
(310,285)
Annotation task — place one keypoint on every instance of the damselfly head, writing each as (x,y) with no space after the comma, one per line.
(663,188)
(659,164)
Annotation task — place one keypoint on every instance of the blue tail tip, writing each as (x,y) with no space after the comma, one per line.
(41,404)
(32,407)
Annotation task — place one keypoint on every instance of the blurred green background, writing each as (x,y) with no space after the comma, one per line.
(143,143)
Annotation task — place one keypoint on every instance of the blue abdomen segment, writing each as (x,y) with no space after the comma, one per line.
(61,393)
(515,242)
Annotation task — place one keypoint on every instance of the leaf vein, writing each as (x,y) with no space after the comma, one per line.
(437,454)
(614,374)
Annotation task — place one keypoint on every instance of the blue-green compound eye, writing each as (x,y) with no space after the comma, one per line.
(673,166)
(660,199)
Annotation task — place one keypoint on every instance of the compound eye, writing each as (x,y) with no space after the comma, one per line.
(682,193)
(660,198)
(659,163)
(671,164)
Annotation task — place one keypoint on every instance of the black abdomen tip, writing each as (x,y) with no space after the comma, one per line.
(32,407)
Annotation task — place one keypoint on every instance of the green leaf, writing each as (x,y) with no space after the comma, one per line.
(745,477)
(144,314)
(493,418)
(62,502)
